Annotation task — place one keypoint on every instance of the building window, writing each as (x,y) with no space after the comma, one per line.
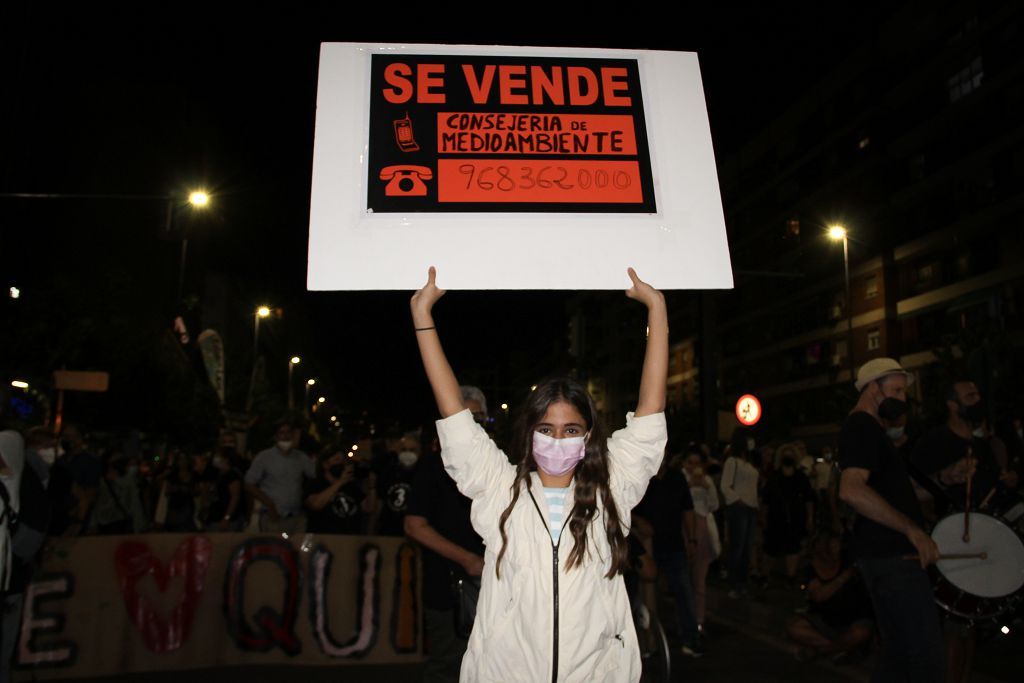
(965,81)
(871,287)
(840,355)
(874,339)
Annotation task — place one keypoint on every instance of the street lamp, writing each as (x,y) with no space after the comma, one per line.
(295,360)
(836,233)
(261,312)
(19,384)
(198,200)
(310,383)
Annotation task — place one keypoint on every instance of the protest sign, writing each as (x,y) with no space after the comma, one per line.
(106,605)
(513,168)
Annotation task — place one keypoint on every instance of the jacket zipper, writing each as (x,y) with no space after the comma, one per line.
(554,583)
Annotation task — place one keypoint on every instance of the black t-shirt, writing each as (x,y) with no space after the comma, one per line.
(663,505)
(343,514)
(786,500)
(435,497)
(394,485)
(940,448)
(222,496)
(863,443)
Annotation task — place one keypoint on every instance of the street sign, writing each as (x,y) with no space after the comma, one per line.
(748,410)
(79,380)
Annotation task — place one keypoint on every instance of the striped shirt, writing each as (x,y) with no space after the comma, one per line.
(556,510)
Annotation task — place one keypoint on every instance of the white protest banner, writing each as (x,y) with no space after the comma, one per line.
(100,606)
(513,168)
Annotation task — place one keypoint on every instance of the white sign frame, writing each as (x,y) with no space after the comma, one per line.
(682,246)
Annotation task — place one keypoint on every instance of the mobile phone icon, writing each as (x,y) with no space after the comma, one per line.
(404,136)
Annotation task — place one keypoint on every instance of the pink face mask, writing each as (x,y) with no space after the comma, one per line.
(557,456)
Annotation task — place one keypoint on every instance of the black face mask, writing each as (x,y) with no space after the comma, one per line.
(975,413)
(892,408)
(337,470)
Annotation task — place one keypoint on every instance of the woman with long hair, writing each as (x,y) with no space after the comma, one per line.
(552,600)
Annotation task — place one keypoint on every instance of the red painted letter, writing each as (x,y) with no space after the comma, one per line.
(429,76)
(609,76)
(395,74)
(479,89)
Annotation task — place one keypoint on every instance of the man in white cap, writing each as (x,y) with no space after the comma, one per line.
(888,527)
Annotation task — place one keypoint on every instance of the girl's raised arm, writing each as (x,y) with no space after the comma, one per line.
(439,372)
(654,375)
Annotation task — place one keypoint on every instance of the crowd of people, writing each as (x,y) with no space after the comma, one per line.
(745,513)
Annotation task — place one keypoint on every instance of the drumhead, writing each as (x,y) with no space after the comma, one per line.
(1000,574)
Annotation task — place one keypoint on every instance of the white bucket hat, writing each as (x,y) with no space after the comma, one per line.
(880,367)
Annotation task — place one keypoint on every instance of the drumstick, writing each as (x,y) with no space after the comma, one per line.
(988,499)
(953,556)
(967,503)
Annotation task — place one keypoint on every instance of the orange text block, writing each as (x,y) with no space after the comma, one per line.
(512,133)
(581,181)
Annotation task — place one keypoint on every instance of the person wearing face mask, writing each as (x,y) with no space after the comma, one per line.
(952,454)
(437,518)
(942,453)
(554,516)
(395,477)
(226,511)
(789,513)
(336,499)
(41,452)
(666,510)
(888,526)
(276,478)
(739,490)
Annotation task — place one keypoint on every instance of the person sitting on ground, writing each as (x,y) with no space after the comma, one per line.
(838,617)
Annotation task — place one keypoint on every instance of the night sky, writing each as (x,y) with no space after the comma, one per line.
(147,98)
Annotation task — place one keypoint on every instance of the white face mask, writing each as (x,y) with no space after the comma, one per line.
(894,432)
(407,458)
(48,455)
(979,432)
(284,446)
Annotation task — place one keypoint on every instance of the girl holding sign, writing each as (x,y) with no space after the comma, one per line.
(552,604)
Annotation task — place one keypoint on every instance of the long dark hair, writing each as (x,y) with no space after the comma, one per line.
(591,473)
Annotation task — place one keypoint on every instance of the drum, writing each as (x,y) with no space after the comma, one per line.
(977,589)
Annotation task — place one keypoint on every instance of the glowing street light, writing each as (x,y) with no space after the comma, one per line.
(261,312)
(321,400)
(305,405)
(14,292)
(19,384)
(292,362)
(198,200)
(837,233)
(504,406)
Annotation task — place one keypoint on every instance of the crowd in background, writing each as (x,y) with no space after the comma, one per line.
(752,514)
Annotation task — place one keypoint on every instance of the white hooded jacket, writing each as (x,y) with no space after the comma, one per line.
(536,615)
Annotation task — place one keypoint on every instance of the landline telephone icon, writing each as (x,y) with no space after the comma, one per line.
(403,135)
(406,180)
